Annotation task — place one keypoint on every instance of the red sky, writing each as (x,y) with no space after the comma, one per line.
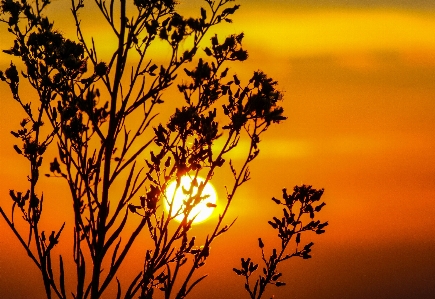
(359,86)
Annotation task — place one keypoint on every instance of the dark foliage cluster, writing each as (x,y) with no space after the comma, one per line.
(299,211)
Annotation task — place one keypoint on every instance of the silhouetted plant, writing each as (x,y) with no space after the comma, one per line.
(298,216)
(86,103)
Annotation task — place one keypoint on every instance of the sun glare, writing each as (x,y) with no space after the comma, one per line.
(201,211)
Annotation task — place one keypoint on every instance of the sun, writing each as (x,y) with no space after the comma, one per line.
(202,211)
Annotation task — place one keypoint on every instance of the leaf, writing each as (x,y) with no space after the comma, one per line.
(260,243)
(189,73)
(224,73)
(252,267)
(168,162)
(219,162)
(13,196)
(321,226)
(319,207)
(308,246)
(309,209)
(62,154)
(211,205)
(274,225)
(132,208)
(118,293)
(208,52)
(54,113)
(55,166)
(276,276)
(245,263)
(286,214)
(53,240)
(152,68)
(236,80)
(18,150)
(230,10)
(62,277)
(203,13)
(277,201)
(12,74)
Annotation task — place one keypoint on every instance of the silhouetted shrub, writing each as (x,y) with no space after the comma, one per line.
(82,107)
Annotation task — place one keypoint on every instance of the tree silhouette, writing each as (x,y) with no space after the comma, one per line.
(298,217)
(89,108)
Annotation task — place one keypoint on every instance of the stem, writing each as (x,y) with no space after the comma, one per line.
(110,142)
(23,243)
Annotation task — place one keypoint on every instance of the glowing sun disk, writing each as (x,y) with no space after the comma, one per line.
(202,210)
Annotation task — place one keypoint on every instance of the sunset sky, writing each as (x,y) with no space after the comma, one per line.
(359,92)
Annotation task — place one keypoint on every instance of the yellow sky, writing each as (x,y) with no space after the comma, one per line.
(359,89)
(339,31)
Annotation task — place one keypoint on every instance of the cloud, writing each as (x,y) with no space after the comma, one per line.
(312,32)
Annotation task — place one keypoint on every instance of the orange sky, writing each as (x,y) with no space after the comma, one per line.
(359,85)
